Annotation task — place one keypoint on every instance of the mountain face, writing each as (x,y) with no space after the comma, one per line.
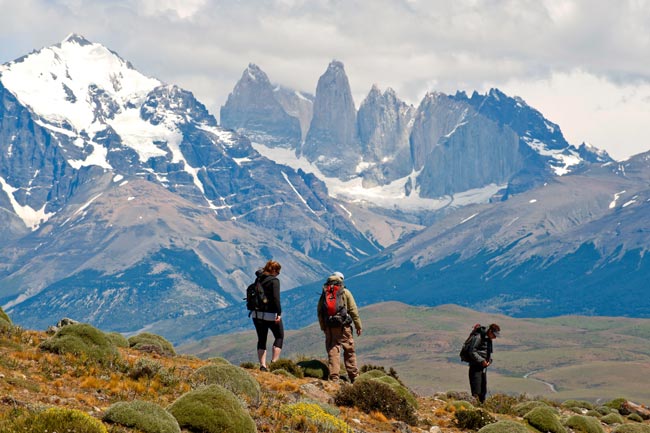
(79,128)
(254,107)
(448,145)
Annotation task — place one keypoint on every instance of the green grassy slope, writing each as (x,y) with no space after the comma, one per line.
(563,357)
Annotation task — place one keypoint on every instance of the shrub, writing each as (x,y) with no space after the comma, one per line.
(374,396)
(395,384)
(635,417)
(504,427)
(283,372)
(577,403)
(145,368)
(594,413)
(473,419)
(501,403)
(117,339)
(81,339)
(617,403)
(605,410)
(212,409)
(147,342)
(314,368)
(612,418)
(304,414)
(457,405)
(391,372)
(248,365)
(218,360)
(632,428)
(63,420)
(5,321)
(585,424)
(523,408)
(231,377)
(544,418)
(287,365)
(142,415)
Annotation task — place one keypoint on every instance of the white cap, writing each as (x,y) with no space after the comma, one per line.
(339,274)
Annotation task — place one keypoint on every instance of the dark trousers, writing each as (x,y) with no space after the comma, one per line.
(262,328)
(478,381)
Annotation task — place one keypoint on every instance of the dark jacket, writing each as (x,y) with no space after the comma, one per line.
(271,286)
(480,347)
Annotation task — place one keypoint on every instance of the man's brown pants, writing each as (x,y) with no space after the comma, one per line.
(335,340)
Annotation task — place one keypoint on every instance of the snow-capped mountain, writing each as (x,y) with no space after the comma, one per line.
(79,127)
(448,147)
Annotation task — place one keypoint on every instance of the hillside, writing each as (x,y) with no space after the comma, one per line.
(73,391)
(592,358)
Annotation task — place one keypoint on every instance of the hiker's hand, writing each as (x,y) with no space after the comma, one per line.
(278,318)
(358,332)
(485,363)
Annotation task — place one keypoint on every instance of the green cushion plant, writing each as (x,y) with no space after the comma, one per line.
(144,416)
(212,409)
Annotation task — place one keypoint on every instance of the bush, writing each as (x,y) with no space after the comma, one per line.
(391,372)
(632,428)
(145,368)
(523,408)
(457,405)
(82,339)
(612,418)
(635,417)
(473,419)
(212,409)
(304,415)
(5,321)
(544,418)
(605,410)
(152,343)
(617,403)
(577,403)
(504,427)
(314,368)
(283,372)
(248,365)
(142,415)
(287,365)
(231,377)
(501,403)
(395,384)
(62,420)
(585,424)
(374,396)
(218,360)
(117,339)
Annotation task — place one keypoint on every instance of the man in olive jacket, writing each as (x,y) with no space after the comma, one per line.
(338,328)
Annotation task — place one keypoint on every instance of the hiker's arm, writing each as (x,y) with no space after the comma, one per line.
(473,350)
(276,295)
(353,311)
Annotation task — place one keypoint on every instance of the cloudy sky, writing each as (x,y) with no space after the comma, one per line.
(585,64)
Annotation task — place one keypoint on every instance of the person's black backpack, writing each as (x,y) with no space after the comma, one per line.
(464,351)
(256,300)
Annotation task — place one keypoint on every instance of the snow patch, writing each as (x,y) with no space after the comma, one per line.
(32,218)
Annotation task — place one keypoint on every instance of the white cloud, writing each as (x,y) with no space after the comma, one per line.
(577,61)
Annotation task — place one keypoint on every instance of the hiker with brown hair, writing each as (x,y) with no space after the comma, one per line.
(337,312)
(270,317)
(479,353)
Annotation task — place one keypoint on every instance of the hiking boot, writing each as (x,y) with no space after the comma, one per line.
(263,368)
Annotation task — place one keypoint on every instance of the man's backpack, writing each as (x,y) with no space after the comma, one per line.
(256,300)
(464,351)
(333,306)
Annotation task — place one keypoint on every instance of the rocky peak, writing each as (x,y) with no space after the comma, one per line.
(252,108)
(333,130)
